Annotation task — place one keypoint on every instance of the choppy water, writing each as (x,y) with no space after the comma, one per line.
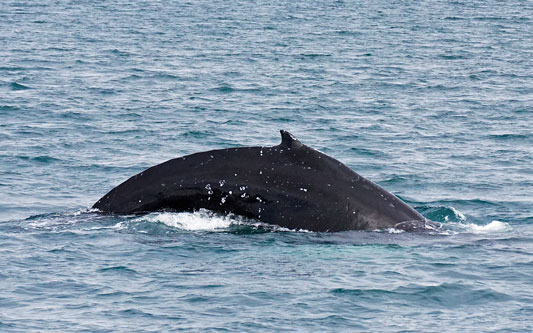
(433,100)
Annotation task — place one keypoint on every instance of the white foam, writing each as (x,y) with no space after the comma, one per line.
(493,227)
(458,214)
(119,226)
(273,227)
(204,220)
(394,231)
(41,224)
(195,221)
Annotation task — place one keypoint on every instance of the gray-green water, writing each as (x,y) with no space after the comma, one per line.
(432,100)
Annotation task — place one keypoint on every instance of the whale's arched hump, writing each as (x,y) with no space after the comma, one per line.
(290,185)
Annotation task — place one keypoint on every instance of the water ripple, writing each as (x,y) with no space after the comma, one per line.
(433,102)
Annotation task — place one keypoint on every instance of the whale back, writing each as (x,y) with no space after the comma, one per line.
(290,185)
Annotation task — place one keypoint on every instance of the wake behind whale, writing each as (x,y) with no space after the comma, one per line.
(290,185)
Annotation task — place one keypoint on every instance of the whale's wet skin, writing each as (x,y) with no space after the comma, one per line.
(290,185)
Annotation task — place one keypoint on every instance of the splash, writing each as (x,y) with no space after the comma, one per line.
(493,227)
(457,214)
(442,213)
(203,220)
(393,231)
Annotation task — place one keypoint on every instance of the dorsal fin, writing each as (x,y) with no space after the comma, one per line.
(288,140)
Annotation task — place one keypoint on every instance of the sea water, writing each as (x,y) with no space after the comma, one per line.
(433,100)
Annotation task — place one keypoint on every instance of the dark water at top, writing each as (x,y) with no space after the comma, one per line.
(433,100)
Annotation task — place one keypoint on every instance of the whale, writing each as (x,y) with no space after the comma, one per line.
(289,185)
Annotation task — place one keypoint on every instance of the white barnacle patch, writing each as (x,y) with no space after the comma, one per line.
(221,182)
(235,175)
(242,188)
(163,185)
(261,152)
(259,199)
(260,172)
(303,189)
(243,195)
(223,200)
(209,190)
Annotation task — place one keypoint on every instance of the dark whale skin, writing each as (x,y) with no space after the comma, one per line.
(290,185)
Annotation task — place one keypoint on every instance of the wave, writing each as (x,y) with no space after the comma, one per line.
(454,221)
(442,213)
(450,221)
(226,88)
(206,220)
(490,228)
(18,86)
(444,294)
(192,221)
(510,136)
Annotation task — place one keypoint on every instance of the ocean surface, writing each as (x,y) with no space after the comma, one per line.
(433,100)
